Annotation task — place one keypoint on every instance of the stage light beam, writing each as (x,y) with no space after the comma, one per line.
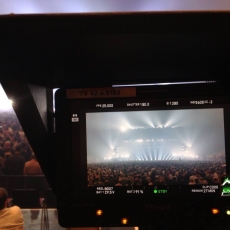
(123,129)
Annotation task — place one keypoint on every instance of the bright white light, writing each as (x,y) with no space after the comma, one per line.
(89,6)
(140,140)
(5,103)
(164,83)
(123,129)
(54,91)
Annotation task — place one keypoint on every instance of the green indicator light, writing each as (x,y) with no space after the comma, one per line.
(155,191)
(228,212)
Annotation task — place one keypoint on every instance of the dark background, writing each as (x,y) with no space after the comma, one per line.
(101,49)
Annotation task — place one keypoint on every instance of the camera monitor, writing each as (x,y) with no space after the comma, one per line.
(131,152)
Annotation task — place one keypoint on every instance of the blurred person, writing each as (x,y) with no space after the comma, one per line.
(191,182)
(14,165)
(203,181)
(16,141)
(1,134)
(98,182)
(149,181)
(2,152)
(10,218)
(129,183)
(119,183)
(8,130)
(197,181)
(7,145)
(7,153)
(26,151)
(157,180)
(32,167)
(193,176)
(122,180)
(8,149)
(137,180)
(215,180)
(1,166)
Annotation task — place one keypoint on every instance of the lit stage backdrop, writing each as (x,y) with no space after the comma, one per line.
(189,134)
(95,6)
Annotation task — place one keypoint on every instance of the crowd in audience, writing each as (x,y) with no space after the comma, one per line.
(155,173)
(16,155)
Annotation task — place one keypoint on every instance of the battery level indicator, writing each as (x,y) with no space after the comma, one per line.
(160,191)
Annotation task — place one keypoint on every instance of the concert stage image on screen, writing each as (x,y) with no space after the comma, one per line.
(155,147)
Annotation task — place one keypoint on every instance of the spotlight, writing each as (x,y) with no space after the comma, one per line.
(215,211)
(124,221)
(123,129)
(99,212)
(140,140)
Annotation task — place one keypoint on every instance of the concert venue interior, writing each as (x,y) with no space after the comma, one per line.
(187,140)
(192,134)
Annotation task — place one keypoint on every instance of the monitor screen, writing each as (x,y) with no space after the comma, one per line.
(155,147)
(142,153)
(141,145)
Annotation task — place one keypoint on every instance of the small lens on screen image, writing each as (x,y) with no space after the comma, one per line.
(161,147)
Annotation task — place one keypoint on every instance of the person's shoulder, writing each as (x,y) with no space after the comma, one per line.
(27,163)
(15,208)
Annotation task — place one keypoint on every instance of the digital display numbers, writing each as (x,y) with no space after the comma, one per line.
(105,190)
(201,102)
(206,189)
(104,105)
(135,191)
(172,103)
(84,93)
(141,104)
(165,190)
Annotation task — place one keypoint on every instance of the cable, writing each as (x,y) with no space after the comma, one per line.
(44,217)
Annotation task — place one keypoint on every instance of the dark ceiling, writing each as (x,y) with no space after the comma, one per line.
(101,49)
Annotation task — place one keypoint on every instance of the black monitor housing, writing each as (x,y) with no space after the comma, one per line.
(142,153)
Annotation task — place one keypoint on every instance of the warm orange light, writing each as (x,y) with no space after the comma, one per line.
(124,221)
(99,212)
(215,211)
